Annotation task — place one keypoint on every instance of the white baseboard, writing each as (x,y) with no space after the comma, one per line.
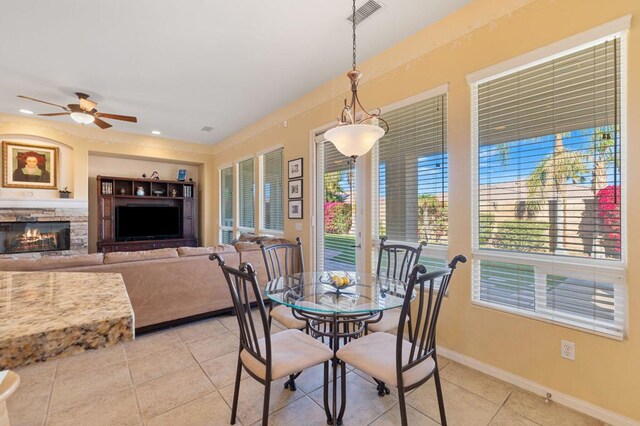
(585,407)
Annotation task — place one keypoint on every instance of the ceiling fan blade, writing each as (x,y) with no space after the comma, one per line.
(86,104)
(44,102)
(54,114)
(102,124)
(117,117)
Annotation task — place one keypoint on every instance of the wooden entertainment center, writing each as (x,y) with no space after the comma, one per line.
(114,192)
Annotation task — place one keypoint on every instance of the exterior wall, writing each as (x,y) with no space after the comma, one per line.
(481,34)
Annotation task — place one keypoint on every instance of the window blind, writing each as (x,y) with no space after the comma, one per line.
(271,177)
(226,205)
(245,194)
(548,187)
(413,172)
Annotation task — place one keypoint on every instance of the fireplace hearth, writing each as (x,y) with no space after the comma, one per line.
(33,237)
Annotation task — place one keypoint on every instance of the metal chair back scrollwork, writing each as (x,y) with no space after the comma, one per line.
(282,259)
(397,260)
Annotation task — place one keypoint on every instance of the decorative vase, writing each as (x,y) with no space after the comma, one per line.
(174,192)
(140,191)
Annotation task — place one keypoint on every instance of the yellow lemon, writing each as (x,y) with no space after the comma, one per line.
(345,280)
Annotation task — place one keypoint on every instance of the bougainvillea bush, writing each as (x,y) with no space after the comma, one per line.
(337,217)
(609,215)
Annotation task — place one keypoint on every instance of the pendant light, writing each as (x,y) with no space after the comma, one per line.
(352,136)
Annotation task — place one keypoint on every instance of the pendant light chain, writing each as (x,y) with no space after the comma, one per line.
(354,34)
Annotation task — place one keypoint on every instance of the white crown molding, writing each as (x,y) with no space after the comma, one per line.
(43,203)
(607,416)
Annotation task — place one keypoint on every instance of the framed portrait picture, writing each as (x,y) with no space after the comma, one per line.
(29,166)
(295,209)
(182,175)
(295,168)
(295,188)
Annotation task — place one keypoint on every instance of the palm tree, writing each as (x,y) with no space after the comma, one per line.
(551,176)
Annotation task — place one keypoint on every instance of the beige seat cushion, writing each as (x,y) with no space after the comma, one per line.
(284,316)
(388,322)
(375,354)
(291,351)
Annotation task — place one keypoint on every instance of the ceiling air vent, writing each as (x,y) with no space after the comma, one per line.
(364,11)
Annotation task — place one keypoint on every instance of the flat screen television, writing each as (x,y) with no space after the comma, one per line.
(148,222)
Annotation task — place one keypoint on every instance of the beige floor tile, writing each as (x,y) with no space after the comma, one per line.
(414,417)
(154,342)
(363,404)
(200,330)
(172,390)
(230,322)
(91,359)
(46,369)
(213,347)
(252,396)
(506,417)
(71,390)
(313,378)
(117,408)
(443,361)
(472,380)
(462,407)
(159,363)
(222,370)
(208,410)
(28,404)
(301,412)
(534,407)
(259,331)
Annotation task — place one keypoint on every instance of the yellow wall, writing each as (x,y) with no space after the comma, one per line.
(606,372)
(78,143)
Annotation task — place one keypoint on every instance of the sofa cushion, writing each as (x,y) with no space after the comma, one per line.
(246,246)
(201,251)
(48,263)
(134,256)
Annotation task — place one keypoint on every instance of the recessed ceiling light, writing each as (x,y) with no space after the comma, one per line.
(26,111)
(156,132)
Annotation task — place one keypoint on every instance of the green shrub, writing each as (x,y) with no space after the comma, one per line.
(487,221)
(521,235)
(337,217)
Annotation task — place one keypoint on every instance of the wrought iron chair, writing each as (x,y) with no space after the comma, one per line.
(271,357)
(409,362)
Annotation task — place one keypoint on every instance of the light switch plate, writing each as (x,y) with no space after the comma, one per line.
(298,227)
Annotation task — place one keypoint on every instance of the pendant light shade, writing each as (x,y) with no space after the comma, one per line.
(354,140)
(354,137)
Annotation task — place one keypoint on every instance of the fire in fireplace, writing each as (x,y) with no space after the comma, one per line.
(28,237)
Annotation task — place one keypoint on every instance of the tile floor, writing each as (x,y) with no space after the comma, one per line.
(185,376)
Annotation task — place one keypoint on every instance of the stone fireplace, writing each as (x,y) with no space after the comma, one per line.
(37,228)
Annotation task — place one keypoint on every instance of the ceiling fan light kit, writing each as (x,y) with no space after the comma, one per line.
(84,112)
(354,136)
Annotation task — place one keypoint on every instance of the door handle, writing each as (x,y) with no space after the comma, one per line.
(354,246)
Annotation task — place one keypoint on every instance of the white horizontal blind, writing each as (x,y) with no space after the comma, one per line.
(549,191)
(246,194)
(271,177)
(413,172)
(226,205)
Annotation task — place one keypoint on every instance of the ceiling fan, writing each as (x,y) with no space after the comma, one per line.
(84,112)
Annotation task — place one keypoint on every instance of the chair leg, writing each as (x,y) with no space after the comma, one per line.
(236,391)
(443,416)
(291,383)
(265,408)
(325,395)
(403,407)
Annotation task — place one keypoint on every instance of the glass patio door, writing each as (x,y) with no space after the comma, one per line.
(338,229)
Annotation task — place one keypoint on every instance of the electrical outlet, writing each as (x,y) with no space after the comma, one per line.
(298,227)
(568,350)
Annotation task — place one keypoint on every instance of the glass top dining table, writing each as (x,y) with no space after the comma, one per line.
(319,292)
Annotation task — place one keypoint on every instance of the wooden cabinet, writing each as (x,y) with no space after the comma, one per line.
(114,192)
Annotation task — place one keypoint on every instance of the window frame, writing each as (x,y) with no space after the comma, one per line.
(260,213)
(222,228)
(236,181)
(593,269)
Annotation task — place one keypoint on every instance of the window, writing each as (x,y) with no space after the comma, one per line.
(226,205)
(548,236)
(412,171)
(245,195)
(271,180)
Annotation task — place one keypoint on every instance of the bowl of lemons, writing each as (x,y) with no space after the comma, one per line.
(338,280)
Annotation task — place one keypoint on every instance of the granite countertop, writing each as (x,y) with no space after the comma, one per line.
(47,314)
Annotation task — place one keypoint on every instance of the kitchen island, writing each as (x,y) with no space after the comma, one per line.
(45,315)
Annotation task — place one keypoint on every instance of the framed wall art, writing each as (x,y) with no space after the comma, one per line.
(182,175)
(295,209)
(29,166)
(295,168)
(295,188)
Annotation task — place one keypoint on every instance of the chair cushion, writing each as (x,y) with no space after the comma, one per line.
(291,351)
(388,322)
(375,354)
(284,316)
